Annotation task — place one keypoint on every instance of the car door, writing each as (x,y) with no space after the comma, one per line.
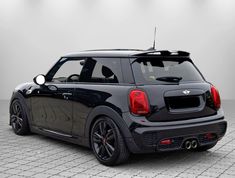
(52,103)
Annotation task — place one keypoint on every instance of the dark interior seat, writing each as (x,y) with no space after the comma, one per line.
(107,73)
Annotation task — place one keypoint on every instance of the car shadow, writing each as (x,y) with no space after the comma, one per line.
(137,160)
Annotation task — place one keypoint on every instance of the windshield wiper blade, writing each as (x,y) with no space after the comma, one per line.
(169,79)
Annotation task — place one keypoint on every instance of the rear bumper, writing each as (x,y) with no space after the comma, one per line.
(147,139)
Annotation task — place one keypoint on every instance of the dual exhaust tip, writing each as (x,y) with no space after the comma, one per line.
(191,144)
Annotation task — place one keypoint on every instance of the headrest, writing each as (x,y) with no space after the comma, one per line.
(157,63)
(106,72)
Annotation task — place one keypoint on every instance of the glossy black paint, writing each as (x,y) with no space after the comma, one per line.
(67,111)
(160,110)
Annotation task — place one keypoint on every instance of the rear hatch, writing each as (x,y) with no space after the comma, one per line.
(175,88)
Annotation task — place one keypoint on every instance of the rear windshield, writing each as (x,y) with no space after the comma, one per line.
(164,71)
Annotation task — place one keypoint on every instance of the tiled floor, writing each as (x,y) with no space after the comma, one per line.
(38,156)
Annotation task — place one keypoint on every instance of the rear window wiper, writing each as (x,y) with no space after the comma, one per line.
(169,79)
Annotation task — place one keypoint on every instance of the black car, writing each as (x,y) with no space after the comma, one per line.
(122,101)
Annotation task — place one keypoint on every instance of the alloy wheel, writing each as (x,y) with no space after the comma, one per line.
(103,140)
(16,116)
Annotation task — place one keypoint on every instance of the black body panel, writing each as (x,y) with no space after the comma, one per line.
(168,102)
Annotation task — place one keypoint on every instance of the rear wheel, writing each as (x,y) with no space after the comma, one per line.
(205,148)
(107,142)
(18,118)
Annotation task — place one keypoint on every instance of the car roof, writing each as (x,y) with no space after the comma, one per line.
(126,53)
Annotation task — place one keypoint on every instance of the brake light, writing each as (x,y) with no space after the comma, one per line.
(216,97)
(139,104)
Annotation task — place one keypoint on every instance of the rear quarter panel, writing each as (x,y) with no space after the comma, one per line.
(87,97)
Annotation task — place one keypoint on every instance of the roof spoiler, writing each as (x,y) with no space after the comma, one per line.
(163,53)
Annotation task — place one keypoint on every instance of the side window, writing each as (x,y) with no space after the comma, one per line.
(102,70)
(68,70)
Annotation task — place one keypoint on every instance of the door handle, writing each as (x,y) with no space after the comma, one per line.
(67,94)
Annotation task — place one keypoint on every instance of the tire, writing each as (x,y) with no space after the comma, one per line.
(18,118)
(205,148)
(107,142)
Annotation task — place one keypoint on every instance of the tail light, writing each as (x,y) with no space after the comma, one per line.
(139,104)
(216,97)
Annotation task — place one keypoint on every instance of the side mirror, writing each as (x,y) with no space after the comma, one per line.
(82,62)
(39,79)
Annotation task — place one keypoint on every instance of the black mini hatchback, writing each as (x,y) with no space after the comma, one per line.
(122,101)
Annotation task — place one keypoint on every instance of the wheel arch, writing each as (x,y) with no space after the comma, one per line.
(106,111)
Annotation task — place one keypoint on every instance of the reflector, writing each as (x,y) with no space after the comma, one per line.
(166,142)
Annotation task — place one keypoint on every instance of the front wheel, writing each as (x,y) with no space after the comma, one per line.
(107,142)
(18,118)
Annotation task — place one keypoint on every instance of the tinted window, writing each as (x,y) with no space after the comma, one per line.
(67,70)
(150,70)
(102,70)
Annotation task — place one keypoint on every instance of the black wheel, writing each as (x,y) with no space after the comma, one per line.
(18,118)
(107,142)
(205,148)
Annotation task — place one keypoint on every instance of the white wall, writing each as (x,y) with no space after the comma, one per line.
(35,33)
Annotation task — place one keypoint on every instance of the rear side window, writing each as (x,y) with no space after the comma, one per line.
(102,70)
(161,70)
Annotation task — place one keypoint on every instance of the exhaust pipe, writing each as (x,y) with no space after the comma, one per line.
(188,145)
(194,144)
